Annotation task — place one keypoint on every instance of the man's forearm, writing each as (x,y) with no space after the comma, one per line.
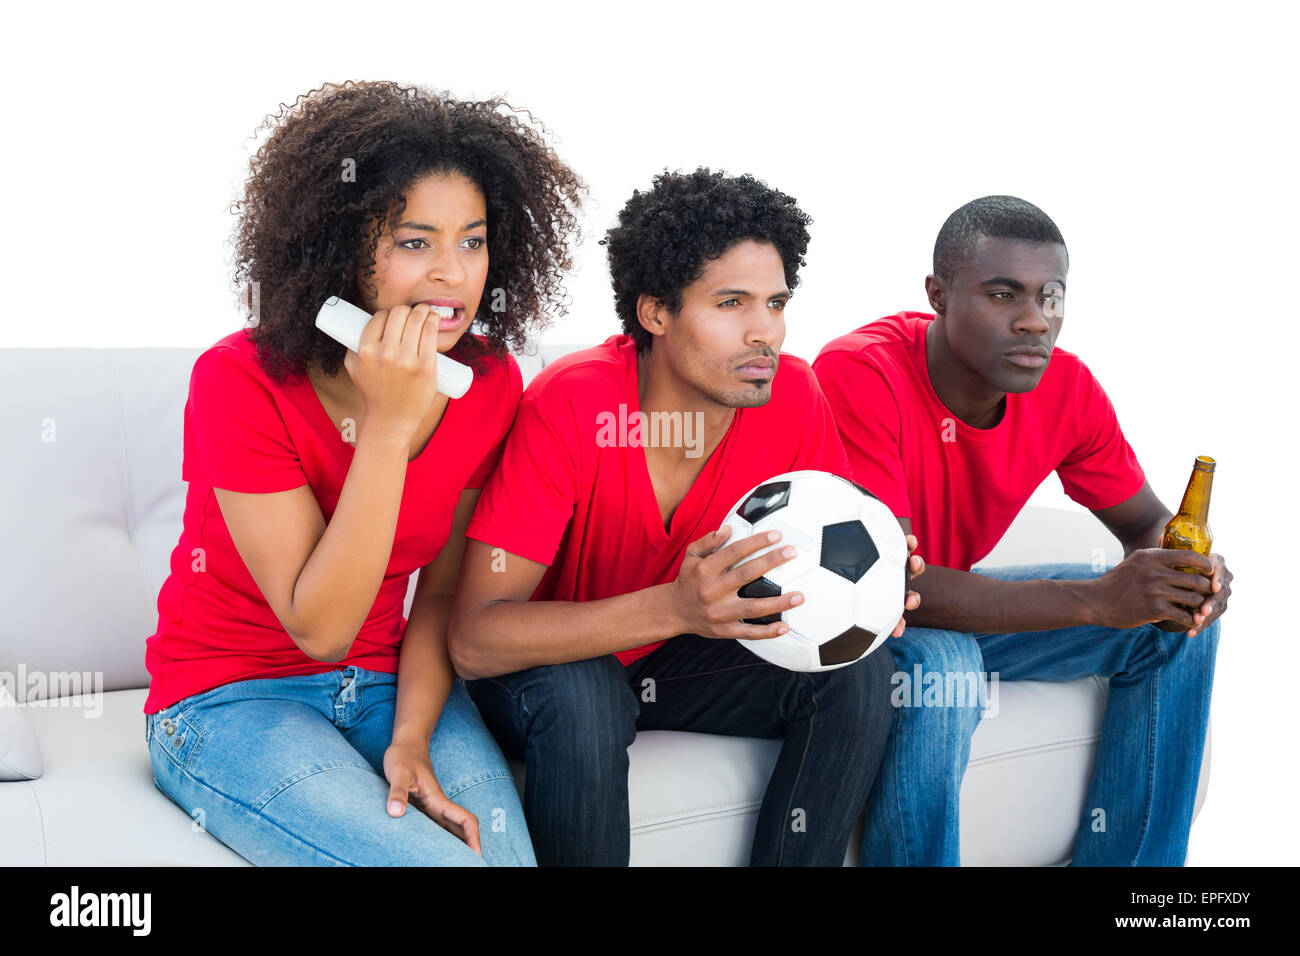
(1148,537)
(963,601)
(511,636)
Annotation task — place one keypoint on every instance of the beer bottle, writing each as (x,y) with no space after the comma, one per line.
(1188,530)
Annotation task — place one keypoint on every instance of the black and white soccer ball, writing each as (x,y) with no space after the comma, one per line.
(850,564)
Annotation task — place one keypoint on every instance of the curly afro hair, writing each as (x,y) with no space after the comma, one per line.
(302,231)
(666,237)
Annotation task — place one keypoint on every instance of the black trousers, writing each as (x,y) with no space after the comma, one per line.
(572,724)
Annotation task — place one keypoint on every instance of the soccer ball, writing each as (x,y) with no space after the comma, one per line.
(850,564)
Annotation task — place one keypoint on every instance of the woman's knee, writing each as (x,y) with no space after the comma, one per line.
(341,812)
(503,830)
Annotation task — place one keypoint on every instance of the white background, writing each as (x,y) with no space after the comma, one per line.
(1159,137)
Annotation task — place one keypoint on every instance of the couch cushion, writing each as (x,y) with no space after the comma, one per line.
(97,804)
(694,797)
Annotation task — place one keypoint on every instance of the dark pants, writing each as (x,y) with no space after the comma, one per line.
(572,725)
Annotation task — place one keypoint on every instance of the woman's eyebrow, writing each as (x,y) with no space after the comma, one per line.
(427,228)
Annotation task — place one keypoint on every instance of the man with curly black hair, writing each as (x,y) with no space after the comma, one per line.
(595,598)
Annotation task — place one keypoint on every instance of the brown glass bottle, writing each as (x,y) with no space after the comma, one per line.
(1189,530)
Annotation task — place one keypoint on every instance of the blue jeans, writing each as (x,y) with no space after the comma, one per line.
(1148,758)
(572,724)
(289,771)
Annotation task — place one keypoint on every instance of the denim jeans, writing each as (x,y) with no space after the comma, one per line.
(289,771)
(1148,758)
(572,724)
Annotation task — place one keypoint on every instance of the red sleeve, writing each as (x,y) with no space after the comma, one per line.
(870,425)
(235,437)
(528,502)
(1102,470)
(493,457)
(820,447)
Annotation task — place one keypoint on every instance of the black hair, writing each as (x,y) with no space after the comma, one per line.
(304,233)
(991,217)
(666,236)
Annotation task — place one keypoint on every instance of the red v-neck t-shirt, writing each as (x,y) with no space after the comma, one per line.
(570,493)
(245,432)
(963,486)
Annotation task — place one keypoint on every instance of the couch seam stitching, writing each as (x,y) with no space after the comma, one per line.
(45,859)
(1038,749)
(708,816)
(681,815)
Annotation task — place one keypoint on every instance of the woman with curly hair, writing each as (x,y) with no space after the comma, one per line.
(293,710)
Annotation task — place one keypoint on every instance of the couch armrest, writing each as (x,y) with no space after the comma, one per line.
(20,751)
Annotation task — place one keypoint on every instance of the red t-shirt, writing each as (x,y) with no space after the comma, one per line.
(962,486)
(244,432)
(580,500)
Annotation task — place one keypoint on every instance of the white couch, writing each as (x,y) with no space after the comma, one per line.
(90,509)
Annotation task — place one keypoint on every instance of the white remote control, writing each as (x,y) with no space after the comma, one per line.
(343,322)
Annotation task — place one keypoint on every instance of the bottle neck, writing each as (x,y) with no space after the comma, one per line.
(1196,499)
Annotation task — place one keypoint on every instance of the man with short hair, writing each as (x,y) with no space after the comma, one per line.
(597,597)
(954,419)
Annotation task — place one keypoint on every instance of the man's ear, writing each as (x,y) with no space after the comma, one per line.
(652,314)
(937,293)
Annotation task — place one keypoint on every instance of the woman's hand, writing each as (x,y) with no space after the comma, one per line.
(396,367)
(409,772)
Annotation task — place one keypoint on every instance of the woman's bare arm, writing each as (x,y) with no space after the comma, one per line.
(321,581)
